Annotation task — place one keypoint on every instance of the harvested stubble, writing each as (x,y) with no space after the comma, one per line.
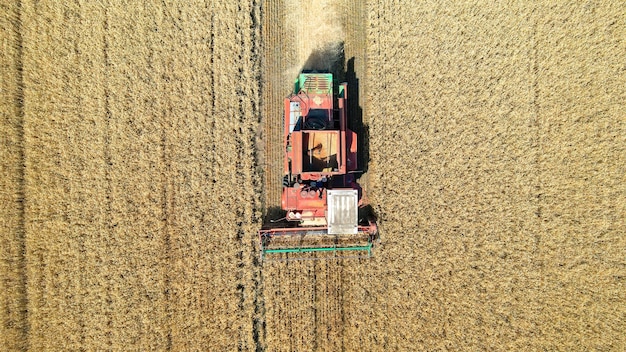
(13,307)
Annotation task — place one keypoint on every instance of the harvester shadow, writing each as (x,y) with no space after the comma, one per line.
(273,214)
(355,117)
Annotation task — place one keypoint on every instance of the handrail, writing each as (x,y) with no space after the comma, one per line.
(316,232)
(368,248)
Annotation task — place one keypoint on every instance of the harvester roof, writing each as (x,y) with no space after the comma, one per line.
(343,211)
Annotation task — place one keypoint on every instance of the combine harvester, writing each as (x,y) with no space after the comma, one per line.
(325,208)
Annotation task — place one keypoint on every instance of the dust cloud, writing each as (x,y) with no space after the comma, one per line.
(318,34)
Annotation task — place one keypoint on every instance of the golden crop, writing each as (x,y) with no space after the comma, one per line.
(142,146)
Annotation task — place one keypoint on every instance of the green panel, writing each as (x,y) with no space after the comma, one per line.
(367,248)
(327,77)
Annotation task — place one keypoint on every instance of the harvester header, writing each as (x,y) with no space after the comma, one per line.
(324,205)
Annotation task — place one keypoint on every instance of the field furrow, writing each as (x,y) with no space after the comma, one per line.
(13,305)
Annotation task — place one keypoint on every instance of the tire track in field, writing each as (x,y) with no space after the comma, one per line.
(21,192)
(108,189)
(13,301)
(167,184)
(213,106)
(247,107)
(252,255)
(78,98)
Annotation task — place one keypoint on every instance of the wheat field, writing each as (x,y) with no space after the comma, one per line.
(141,153)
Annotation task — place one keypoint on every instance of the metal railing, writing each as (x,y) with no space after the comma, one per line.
(292,241)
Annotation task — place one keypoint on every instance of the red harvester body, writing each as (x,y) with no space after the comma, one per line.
(323,201)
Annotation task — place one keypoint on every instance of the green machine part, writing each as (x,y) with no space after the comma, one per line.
(325,88)
(367,248)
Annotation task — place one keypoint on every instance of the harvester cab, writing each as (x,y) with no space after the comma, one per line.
(325,206)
